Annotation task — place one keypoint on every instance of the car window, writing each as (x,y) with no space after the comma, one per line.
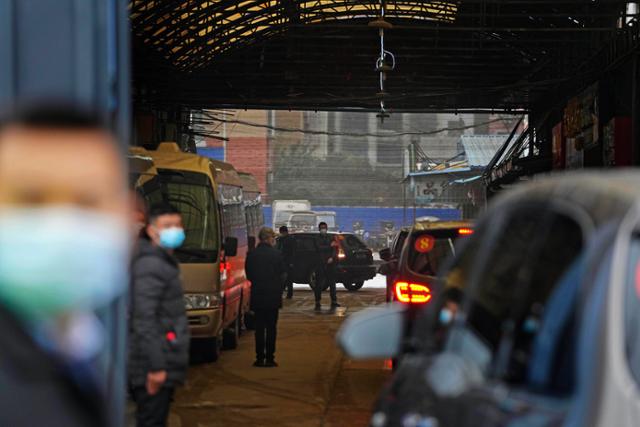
(521,266)
(429,249)
(632,310)
(399,243)
(352,242)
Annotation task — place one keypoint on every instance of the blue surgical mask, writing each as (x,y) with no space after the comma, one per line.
(323,231)
(56,260)
(172,238)
(446,316)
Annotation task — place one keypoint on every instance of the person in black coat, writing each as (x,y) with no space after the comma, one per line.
(159,328)
(287,246)
(266,271)
(326,272)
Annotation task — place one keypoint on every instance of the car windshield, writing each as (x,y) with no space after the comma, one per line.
(303,220)
(191,194)
(430,249)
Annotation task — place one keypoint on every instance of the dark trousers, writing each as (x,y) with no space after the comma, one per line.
(266,331)
(323,276)
(288,286)
(288,283)
(152,411)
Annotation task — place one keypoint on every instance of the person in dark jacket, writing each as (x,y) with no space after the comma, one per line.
(266,271)
(326,272)
(287,246)
(159,329)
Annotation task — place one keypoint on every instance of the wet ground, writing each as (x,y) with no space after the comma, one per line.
(315,384)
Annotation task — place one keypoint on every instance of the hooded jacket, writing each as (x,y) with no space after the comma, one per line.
(158,325)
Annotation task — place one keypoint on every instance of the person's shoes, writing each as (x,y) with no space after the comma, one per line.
(318,307)
(259,363)
(270,364)
(335,305)
(289,296)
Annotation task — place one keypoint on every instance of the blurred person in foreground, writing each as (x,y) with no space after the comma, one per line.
(159,328)
(64,249)
(286,245)
(266,271)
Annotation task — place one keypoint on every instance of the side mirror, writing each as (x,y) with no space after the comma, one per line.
(230,246)
(251,242)
(385,254)
(374,333)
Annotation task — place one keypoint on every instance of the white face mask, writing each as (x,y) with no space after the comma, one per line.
(59,259)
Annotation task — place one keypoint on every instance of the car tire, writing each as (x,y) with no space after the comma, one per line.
(353,287)
(209,349)
(231,336)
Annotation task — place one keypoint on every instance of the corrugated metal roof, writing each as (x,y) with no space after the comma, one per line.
(480,149)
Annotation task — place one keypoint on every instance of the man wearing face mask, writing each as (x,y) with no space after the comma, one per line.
(159,329)
(64,249)
(326,272)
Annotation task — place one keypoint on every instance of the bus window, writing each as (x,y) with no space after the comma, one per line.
(234,221)
(191,193)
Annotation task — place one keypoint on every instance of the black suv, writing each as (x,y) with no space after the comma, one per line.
(355,260)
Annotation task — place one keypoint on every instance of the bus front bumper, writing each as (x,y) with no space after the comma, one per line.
(205,323)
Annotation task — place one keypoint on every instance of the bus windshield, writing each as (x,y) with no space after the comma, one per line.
(192,195)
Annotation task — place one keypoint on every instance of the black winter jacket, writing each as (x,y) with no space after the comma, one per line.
(287,247)
(159,328)
(37,389)
(266,271)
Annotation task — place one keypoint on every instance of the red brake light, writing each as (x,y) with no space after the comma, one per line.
(412,293)
(465,231)
(225,266)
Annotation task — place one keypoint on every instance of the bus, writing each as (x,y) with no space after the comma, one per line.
(252,207)
(209,196)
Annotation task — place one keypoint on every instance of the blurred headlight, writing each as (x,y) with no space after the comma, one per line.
(200,301)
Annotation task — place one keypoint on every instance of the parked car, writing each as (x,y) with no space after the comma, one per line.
(548,330)
(390,257)
(417,255)
(354,266)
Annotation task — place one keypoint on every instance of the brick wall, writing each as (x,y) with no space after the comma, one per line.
(250,154)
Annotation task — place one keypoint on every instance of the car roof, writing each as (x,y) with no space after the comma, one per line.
(603,196)
(441,225)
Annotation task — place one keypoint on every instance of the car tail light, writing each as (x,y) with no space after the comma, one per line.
(465,231)
(412,293)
